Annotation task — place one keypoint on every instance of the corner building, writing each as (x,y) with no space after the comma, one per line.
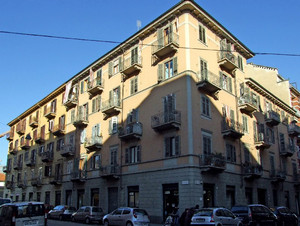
(161,121)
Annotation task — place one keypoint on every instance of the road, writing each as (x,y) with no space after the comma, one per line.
(70,223)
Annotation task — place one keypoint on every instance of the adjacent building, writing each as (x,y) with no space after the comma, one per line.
(162,121)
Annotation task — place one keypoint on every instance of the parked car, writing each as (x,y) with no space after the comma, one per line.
(23,213)
(88,214)
(5,200)
(67,214)
(215,216)
(285,216)
(57,211)
(127,216)
(255,214)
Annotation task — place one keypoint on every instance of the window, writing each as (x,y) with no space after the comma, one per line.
(169,103)
(205,106)
(133,85)
(83,112)
(133,116)
(167,70)
(48,171)
(133,196)
(114,96)
(226,82)
(84,85)
(96,130)
(114,67)
(247,154)
(41,150)
(69,166)
(281,142)
(230,152)
(240,63)
(95,162)
(133,154)
(96,104)
(203,69)
(172,146)
(51,125)
(113,125)
(72,118)
(60,144)
(114,156)
(270,135)
(202,35)
(245,124)
(206,143)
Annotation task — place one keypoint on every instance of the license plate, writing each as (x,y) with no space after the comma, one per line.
(200,220)
(32,222)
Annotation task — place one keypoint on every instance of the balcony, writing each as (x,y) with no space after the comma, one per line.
(287,150)
(212,163)
(30,162)
(5,169)
(33,122)
(132,65)
(25,144)
(58,130)
(36,182)
(56,179)
(209,82)
(40,138)
(78,176)
(132,131)
(165,45)
(9,184)
(252,171)
(247,103)
(111,107)
(95,87)
(21,184)
(47,156)
(166,121)
(9,136)
(67,150)
(18,166)
(81,120)
(20,130)
(262,141)
(272,118)
(227,60)
(110,172)
(231,129)
(277,176)
(50,113)
(71,102)
(94,144)
(294,130)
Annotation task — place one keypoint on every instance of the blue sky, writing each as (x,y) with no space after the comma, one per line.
(32,67)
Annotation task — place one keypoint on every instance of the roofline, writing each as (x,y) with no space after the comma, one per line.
(180,6)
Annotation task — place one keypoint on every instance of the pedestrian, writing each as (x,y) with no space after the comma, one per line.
(175,216)
(182,217)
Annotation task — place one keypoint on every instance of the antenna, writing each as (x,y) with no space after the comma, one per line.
(138,24)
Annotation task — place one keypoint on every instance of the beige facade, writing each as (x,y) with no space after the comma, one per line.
(161,120)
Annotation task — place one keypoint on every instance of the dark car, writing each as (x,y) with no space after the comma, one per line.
(57,211)
(255,214)
(285,216)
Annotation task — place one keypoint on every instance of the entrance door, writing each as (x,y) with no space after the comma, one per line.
(170,198)
(112,199)
(208,195)
(261,196)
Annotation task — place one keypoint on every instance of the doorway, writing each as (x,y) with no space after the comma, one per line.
(208,195)
(170,198)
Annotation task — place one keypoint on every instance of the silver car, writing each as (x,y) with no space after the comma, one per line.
(127,216)
(88,214)
(215,216)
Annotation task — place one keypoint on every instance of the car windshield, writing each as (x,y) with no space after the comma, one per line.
(30,210)
(204,212)
(239,209)
(139,212)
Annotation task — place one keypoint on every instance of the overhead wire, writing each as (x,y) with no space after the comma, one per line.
(118,42)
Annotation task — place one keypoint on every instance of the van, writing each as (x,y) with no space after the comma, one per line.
(23,213)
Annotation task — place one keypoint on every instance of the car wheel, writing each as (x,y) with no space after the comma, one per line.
(106,223)
(87,220)
(60,217)
(129,224)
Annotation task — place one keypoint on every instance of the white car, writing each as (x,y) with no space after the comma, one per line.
(215,216)
(127,216)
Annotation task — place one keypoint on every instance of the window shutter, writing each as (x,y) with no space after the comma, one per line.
(255,129)
(132,86)
(232,115)
(167,147)
(120,64)
(221,79)
(138,153)
(175,65)
(160,73)
(110,127)
(81,86)
(110,69)
(127,155)
(203,35)
(94,131)
(87,110)
(94,105)
(160,38)
(230,84)
(177,145)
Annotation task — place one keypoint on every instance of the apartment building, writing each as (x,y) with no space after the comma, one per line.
(161,121)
